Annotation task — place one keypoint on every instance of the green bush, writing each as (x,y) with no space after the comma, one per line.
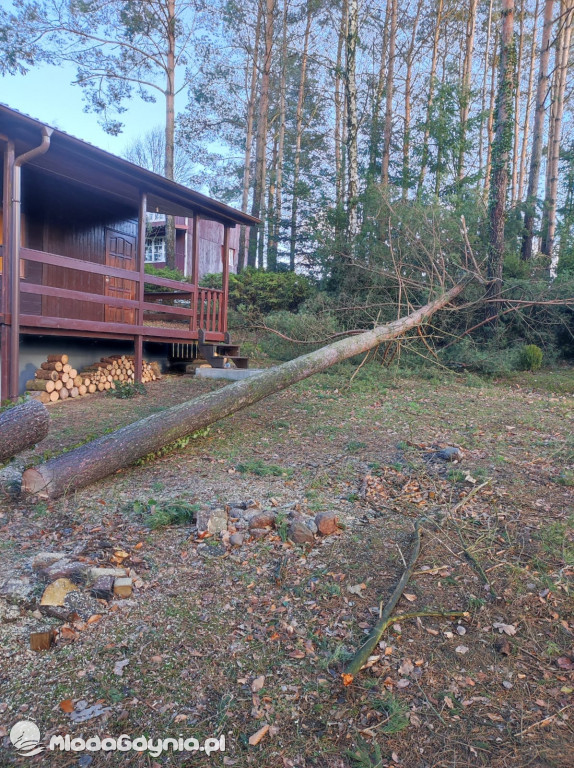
(255,290)
(304,327)
(530,358)
(125,390)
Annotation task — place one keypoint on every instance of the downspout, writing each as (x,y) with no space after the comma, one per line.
(5,367)
(15,243)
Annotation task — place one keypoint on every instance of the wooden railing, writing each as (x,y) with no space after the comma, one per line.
(198,308)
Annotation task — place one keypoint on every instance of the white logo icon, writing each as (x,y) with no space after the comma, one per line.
(25,736)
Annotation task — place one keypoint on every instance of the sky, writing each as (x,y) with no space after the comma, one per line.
(47,94)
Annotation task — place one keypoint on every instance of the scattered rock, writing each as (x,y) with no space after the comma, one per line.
(18,591)
(258,533)
(103,587)
(451,453)
(236,539)
(95,573)
(327,523)
(310,523)
(65,569)
(213,521)
(8,612)
(299,533)
(265,519)
(209,550)
(44,560)
(123,587)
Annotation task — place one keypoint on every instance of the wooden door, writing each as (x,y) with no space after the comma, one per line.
(120,252)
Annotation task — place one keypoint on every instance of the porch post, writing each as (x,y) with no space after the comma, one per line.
(141,284)
(194,270)
(224,281)
(5,377)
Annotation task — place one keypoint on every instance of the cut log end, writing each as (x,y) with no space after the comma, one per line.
(35,483)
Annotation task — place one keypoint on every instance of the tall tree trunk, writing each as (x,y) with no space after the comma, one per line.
(340,110)
(281,139)
(99,458)
(490,121)
(466,85)
(390,87)
(256,234)
(563,40)
(430,98)
(500,158)
(515,143)
(377,99)
(406,180)
(249,136)
(298,137)
(170,127)
(537,133)
(528,107)
(486,70)
(271,213)
(352,121)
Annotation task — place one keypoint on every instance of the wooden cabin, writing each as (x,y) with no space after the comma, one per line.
(77,227)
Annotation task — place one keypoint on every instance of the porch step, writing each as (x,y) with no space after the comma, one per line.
(223,355)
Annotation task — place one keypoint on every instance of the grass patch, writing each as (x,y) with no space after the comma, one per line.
(259,468)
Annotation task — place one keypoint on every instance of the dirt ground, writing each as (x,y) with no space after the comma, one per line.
(186,654)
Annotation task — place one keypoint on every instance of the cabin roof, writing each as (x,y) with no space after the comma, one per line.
(89,166)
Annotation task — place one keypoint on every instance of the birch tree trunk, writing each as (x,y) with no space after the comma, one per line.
(298,137)
(501,157)
(556,114)
(340,110)
(389,93)
(352,121)
(105,455)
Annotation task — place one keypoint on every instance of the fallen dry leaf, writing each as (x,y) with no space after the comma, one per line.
(564,662)
(356,589)
(67,705)
(256,737)
(258,683)
(508,629)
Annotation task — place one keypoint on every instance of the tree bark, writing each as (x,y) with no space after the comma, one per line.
(484,84)
(339,111)
(389,92)
(556,114)
(430,99)
(352,121)
(537,134)
(466,85)
(99,458)
(406,180)
(170,127)
(490,120)
(500,157)
(249,137)
(298,138)
(528,105)
(277,224)
(22,427)
(257,232)
(515,142)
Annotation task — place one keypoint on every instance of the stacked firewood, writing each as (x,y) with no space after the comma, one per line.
(119,368)
(57,380)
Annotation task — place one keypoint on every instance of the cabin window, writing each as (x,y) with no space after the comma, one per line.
(155,249)
(231,256)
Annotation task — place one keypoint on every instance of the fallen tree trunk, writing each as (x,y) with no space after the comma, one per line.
(99,458)
(21,427)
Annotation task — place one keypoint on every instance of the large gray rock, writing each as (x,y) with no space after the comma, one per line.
(299,533)
(18,591)
(213,521)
